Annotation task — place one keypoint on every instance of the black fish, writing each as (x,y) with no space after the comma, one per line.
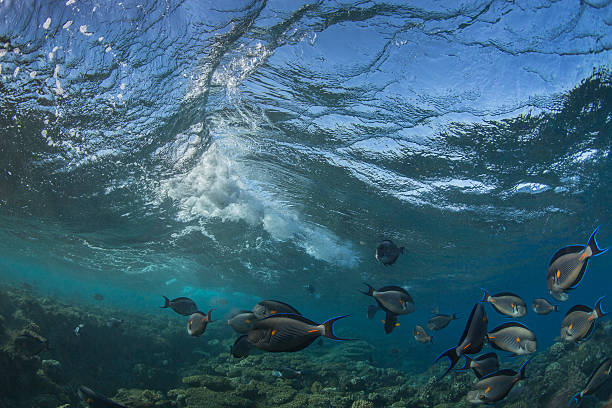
(543,307)
(181,305)
(95,400)
(289,332)
(495,386)
(372,309)
(440,321)
(601,374)
(290,373)
(482,365)
(241,347)
(568,265)
(473,337)
(98,297)
(387,252)
(267,308)
(31,345)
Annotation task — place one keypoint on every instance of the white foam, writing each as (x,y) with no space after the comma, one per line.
(531,188)
(67,24)
(214,189)
(47,23)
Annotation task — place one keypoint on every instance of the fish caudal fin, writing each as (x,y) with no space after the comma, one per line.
(522,370)
(370,291)
(594,245)
(468,362)
(329,328)
(600,312)
(208,317)
(577,398)
(451,353)
(402,249)
(167,304)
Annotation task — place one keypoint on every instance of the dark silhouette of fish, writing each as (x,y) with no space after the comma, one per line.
(601,374)
(421,335)
(241,347)
(372,309)
(473,337)
(495,386)
(568,265)
(267,308)
(95,400)
(482,365)
(98,297)
(30,345)
(387,252)
(440,321)
(289,332)
(181,305)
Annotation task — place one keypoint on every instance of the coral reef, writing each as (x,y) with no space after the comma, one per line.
(143,364)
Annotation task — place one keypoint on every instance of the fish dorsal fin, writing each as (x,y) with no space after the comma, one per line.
(507,325)
(486,356)
(506,372)
(284,304)
(572,249)
(181,298)
(579,308)
(241,312)
(394,288)
(469,323)
(290,316)
(507,294)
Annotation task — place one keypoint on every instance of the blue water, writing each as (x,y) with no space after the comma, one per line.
(243,149)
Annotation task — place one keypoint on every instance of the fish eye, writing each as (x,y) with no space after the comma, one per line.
(482,397)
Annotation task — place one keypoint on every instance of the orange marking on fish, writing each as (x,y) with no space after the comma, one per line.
(571,326)
(558,273)
(383,321)
(248,320)
(313,331)
(487,390)
(582,256)
(89,400)
(273,332)
(272,311)
(397,324)
(468,345)
(518,339)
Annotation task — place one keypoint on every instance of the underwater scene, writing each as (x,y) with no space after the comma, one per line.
(325,204)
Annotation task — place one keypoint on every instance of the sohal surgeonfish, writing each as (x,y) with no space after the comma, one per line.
(241,347)
(599,376)
(495,386)
(542,306)
(482,365)
(579,322)
(181,305)
(387,252)
(513,337)
(196,324)
(267,308)
(394,300)
(473,337)
(506,303)
(440,321)
(372,309)
(289,332)
(567,266)
(242,321)
(421,335)
(95,400)
(30,345)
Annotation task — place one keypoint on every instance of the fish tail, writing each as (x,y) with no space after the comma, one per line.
(555,308)
(485,295)
(455,316)
(594,245)
(370,291)
(598,308)
(208,316)
(431,339)
(468,360)
(167,302)
(329,328)
(522,370)
(577,397)
(402,249)
(451,353)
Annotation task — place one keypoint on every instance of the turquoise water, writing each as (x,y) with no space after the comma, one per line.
(238,151)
